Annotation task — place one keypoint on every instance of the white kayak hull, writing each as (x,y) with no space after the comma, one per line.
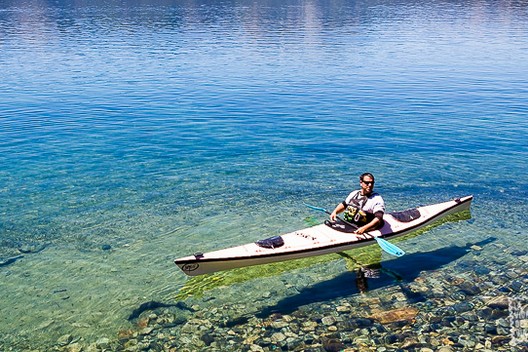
(317,240)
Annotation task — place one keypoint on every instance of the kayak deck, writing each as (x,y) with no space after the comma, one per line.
(318,240)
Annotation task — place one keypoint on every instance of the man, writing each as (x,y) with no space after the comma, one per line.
(363,207)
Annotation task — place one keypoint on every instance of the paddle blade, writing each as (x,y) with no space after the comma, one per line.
(389,247)
(316,208)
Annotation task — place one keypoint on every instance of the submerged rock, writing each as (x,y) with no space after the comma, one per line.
(64,340)
(395,315)
(500,302)
(333,345)
(328,320)
(278,337)
(11,260)
(103,343)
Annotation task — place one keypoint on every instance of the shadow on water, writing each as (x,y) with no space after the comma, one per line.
(404,269)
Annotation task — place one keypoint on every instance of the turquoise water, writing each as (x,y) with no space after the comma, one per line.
(162,128)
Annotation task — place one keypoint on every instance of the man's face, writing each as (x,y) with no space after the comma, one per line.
(367,185)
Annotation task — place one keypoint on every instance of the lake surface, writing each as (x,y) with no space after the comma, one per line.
(135,132)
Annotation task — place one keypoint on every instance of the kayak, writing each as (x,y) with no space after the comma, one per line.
(329,237)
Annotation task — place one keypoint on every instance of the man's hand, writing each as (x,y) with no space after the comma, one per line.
(360,230)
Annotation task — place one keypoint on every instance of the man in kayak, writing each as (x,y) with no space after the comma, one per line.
(363,207)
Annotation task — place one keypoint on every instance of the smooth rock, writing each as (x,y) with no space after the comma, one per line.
(147,330)
(333,345)
(500,339)
(74,347)
(463,307)
(279,324)
(466,341)
(395,315)
(64,340)
(309,326)
(278,337)
(207,339)
(256,348)
(103,343)
(445,349)
(343,309)
(328,320)
(409,343)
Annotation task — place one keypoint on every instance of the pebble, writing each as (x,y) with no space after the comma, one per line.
(278,337)
(64,340)
(395,315)
(333,345)
(279,324)
(309,326)
(74,347)
(45,324)
(445,349)
(103,343)
(328,320)
(343,309)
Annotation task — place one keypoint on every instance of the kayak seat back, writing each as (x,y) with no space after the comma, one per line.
(406,215)
(272,242)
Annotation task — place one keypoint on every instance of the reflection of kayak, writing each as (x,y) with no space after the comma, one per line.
(317,240)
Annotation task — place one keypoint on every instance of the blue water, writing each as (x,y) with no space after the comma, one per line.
(160,128)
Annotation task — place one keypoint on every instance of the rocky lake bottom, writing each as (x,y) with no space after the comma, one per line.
(469,306)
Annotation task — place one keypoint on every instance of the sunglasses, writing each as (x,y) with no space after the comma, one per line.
(368,182)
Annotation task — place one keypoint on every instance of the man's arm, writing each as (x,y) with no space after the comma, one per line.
(378,216)
(339,208)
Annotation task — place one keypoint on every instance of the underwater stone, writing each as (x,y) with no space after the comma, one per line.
(106,247)
(64,340)
(395,315)
(278,337)
(333,345)
(469,289)
(207,339)
(103,343)
(516,285)
(10,260)
(463,307)
(279,324)
(466,341)
(394,338)
(328,320)
(445,349)
(500,339)
(500,302)
(309,326)
(256,348)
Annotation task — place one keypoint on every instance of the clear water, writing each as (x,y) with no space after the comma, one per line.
(160,128)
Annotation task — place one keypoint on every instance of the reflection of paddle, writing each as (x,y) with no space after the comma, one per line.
(385,245)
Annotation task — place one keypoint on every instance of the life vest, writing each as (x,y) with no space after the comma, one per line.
(354,212)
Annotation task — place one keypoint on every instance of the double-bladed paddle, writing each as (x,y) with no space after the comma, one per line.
(385,245)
